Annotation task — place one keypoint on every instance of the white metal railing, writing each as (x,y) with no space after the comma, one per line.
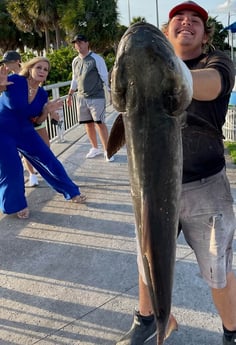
(71,117)
(229,128)
(70,114)
(55,88)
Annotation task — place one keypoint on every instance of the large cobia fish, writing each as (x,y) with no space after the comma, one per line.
(151,87)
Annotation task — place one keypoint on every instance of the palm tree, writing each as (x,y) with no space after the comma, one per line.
(96,19)
(36,15)
(138,19)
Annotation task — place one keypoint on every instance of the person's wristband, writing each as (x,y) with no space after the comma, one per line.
(70,94)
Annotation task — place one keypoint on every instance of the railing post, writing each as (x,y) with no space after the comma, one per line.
(55,93)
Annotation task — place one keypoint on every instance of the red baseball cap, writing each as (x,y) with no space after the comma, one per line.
(191,6)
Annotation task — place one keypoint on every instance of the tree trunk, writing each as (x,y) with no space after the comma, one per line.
(47,40)
(58,37)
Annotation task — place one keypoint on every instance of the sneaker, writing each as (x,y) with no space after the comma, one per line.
(139,333)
(226,340)
(111,159)
(33,181)
(93,152)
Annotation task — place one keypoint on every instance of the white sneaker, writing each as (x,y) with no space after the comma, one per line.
(93,152)
(33,181)
(111,159)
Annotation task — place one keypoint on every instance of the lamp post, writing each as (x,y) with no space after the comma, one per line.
(157,14)
(129,12)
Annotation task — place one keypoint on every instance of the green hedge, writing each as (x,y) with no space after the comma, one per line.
(231,147)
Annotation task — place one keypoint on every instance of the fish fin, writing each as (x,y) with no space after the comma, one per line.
(172,323)
(171,326)
(117,136)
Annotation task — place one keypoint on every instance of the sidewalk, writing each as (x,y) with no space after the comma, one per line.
(68,275)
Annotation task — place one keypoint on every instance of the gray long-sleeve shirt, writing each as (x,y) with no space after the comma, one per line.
(89,75)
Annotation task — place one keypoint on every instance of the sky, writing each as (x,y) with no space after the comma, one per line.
(224,10)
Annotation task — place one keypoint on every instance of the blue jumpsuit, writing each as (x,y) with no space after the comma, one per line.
(18,134)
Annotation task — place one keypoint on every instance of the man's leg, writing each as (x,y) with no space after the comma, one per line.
(103,134)
(143,327)
(145,305)
(225,302)
(144,323)
(210,234)
(92,135)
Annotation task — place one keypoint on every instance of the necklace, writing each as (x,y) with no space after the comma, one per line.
(32,90)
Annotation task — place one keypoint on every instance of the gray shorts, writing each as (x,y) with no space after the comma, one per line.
(91,110)
(208,224)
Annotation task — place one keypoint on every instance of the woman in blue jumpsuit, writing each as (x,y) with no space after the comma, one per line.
(20,102)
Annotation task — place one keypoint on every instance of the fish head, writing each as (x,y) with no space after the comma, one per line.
(147,68)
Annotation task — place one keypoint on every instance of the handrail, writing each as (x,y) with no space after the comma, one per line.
(70,114)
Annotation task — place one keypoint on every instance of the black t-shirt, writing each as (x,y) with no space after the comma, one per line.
(203,147)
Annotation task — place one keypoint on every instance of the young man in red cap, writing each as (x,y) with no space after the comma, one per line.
(206,214)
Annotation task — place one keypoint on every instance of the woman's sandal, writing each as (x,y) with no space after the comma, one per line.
(79,199)
(23,214)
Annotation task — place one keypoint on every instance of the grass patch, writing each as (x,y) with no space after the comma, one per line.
(231,147)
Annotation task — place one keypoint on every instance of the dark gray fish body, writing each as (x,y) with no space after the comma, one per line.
(150,90)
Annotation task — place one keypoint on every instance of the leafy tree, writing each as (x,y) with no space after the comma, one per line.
(45,18)
(138,19)
(38,16)
(61,60)
(11,38)
(220,35)
(18,9)
(96,19)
